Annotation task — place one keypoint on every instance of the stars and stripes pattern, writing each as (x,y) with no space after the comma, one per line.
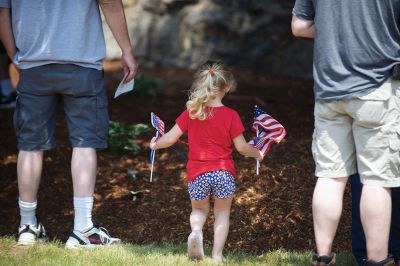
(270,131)
(158,124)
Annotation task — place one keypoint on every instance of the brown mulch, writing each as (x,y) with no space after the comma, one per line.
(270,211)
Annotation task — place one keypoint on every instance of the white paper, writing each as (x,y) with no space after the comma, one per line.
(124,87)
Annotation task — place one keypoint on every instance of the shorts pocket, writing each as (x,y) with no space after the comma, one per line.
(394,142)
(314,144)
(397,98)
(17,117)
(102,118)
(394,153)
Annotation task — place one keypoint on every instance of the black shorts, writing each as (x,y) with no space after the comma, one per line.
(81,92)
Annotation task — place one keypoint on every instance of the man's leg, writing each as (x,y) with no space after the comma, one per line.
(375,207)
(327,209)
(394,238)
(358,243)
(376,122)
(85,106)
(29,171)
(34,122)
(357,233)
(83,169)
(334,155)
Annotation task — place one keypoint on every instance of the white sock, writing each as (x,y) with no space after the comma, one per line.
(27,210)
(6,87)
(83,213)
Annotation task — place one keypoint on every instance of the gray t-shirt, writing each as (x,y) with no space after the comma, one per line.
(57,31)
(357,45)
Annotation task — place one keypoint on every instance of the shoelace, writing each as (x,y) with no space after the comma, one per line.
(104,235)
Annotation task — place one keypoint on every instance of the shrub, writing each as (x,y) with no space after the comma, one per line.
(146,87)
(122,138)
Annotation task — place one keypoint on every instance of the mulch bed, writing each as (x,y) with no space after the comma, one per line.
(270,211)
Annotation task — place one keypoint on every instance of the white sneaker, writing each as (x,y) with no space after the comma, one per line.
(29,234)
(93,237)
(195,245)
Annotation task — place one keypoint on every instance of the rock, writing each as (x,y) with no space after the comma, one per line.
(244,33)
(133,173)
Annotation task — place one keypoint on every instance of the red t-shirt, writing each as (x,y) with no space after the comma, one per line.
(210,140)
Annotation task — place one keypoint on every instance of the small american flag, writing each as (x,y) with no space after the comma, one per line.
(270,131)
(158,124)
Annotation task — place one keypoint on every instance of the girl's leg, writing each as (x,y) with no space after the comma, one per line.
(222,210)
(198,217)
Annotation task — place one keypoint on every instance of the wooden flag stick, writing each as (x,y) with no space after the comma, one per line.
(258,163)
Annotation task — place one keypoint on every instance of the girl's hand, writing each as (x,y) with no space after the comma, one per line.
(260,156)
(153,143)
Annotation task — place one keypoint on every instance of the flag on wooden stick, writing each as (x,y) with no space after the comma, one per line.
(268,131)
(159,125)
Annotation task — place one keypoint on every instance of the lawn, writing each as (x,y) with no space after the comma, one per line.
(53,253)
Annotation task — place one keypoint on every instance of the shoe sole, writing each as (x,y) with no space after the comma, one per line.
(195,246)
(29,239)
(74,244)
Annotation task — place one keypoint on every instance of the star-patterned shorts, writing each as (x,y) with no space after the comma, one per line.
(219,183)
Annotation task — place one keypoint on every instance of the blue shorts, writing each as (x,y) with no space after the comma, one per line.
(219,183)
(42,90)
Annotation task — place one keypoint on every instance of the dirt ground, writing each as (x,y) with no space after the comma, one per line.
(270,211)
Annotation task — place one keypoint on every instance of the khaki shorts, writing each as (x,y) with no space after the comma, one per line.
(360,134)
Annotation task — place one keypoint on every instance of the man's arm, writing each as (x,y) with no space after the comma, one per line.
(303,28)
(113,11)
(6,33)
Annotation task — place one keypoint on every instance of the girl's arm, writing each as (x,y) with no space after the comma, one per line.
(168,139)
(246,149)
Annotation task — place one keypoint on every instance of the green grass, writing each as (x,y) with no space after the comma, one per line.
(53,253)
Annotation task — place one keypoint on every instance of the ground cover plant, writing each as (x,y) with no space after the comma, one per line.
(122,138)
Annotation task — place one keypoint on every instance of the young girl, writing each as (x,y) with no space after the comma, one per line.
(212,128)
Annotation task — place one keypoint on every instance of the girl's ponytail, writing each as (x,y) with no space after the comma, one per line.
(211,79)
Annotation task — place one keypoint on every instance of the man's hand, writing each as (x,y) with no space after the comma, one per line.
(129,64)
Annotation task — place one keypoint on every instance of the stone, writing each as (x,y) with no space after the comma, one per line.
(244,33)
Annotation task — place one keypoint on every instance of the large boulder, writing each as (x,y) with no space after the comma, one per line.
(245,33)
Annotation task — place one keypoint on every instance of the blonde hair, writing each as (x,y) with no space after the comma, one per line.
(211,79)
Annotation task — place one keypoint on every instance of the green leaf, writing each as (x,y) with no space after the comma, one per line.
(122,139)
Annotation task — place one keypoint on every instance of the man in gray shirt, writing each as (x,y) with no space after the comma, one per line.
(357,115)
(59,47)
